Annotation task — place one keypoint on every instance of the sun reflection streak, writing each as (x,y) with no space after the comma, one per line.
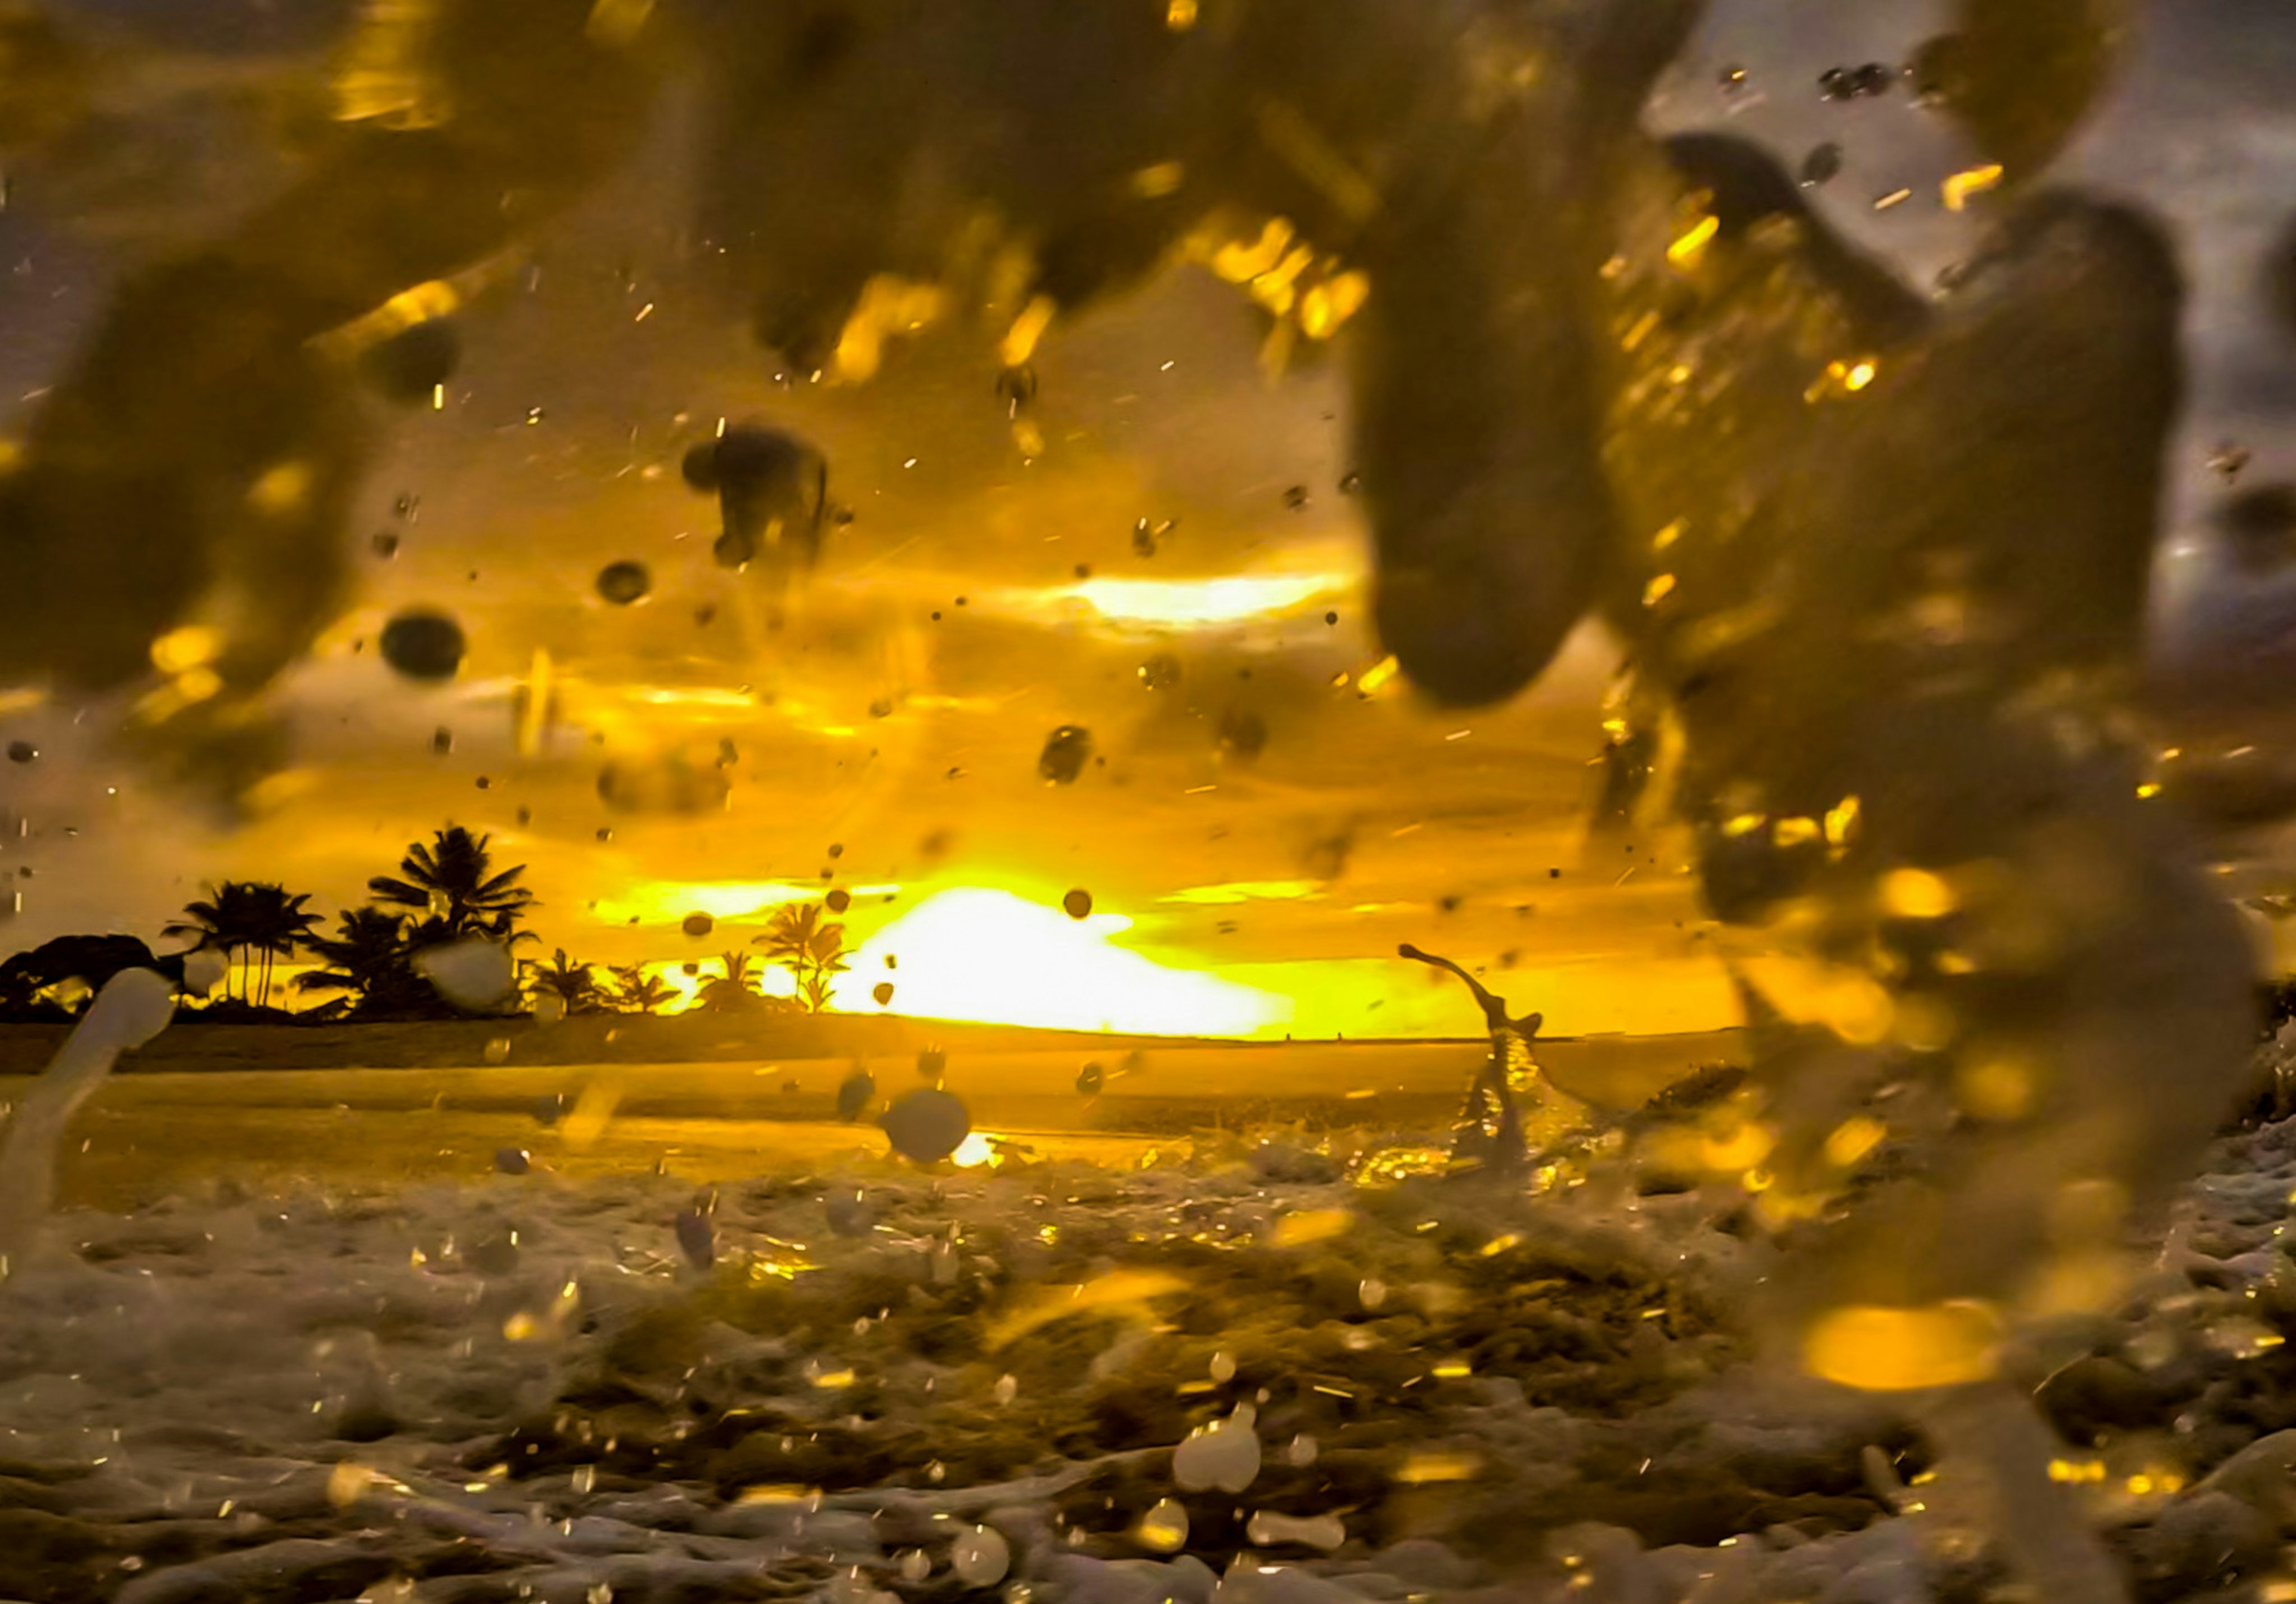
(1176,603)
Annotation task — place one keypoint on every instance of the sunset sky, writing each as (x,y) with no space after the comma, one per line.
(895,718)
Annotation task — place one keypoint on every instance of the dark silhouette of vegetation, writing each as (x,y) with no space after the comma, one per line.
(370,957)
(571,983)
(637,992)
(813,952)
(451,887)
(737,990)
(252,923)
(91,959)
(448,890)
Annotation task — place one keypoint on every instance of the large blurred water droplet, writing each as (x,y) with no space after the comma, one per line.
(1164,1528)
(927,1126)
(624,582)
(423,645)
(1067,750)
(981,1556)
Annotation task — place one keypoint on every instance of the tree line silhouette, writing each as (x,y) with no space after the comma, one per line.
(448,890)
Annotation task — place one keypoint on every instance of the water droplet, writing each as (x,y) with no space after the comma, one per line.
(510,1161)
(1372,1291)
(384,546)
(1090,1079)
(1295,499)
(1067,750)
(882,992)
(850,1213)
(915,1565)
(1161,672)
(854,1093)
(981,1556)
(1006,1389)
(471,974)
(22,751)
(1224,1454)
(697,925)
(423,645)
(838,900)
(1242,734)
(1163,1529)
(927,1126)
(1077,903)
(1822,166)
(1223,1367)
(406,367)
(697,1238)
(624,582)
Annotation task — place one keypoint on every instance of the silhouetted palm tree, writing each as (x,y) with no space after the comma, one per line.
(451,881)
(250,918)
(734,992)
(811,950)
(637,992)
(572,983)
(369,956)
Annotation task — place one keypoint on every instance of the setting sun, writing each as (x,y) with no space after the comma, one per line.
(974,954)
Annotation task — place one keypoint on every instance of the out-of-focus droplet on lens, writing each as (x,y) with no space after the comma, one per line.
(423,645)
(513,1161)
(1242,734)
(624,582)
(980,1557)
(2260,523)
(1224,1454)
(853,1095)
(1295,499)
(927,1126)
(697,925)
(2280,277)
(471,974)
(882,992)
(22,751)
(850,1213)
(698,1238)
(932,1065)
(412,363)
(1067,750)
(1822,166)
(1091,1079)
(838,900)
(384,546)
(1164,1528)
(1078,903)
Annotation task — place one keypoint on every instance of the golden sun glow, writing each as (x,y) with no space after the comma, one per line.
(1178,603)
(669,902)
(975,954)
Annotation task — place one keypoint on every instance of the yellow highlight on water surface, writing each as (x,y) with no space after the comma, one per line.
(1877,1349)
(1958,190)
(1120,1291)
(1684,250)
(1917,894)
(1378,674)
(1299,1229)
(1163,178)
(1852,1140)
(1019,342)
(1327,305)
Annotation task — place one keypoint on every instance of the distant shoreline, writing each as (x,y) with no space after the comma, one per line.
(698,1038)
